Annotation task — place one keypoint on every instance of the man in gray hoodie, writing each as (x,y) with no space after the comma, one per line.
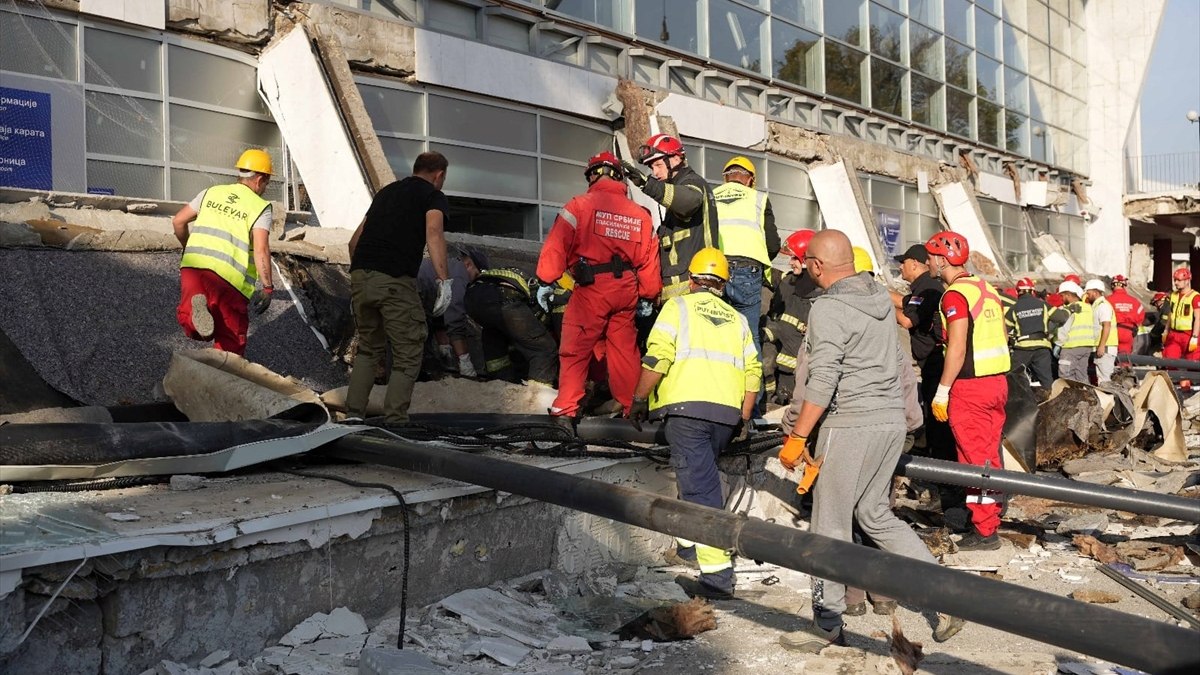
(853,389)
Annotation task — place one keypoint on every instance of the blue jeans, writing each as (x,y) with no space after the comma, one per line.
(695,444)
(744,293)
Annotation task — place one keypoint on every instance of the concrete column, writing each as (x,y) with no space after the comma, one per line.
(1162,264)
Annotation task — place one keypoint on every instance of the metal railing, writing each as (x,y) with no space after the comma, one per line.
(1163,173)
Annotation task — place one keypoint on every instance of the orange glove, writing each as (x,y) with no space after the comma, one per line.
(941,403)
(793,451)
(811,469)
(1193,344)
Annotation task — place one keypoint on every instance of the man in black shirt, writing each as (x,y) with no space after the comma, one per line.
(918,312)
(385,257)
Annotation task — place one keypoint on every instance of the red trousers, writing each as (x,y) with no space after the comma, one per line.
(977,422)
(1125,340)
(227,305)
(1175,346)
(599,313)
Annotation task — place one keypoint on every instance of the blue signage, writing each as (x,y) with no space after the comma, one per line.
(889,229)
(26,154)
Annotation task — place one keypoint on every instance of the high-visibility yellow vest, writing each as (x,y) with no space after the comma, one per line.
(219,239)
(1027,320)
(987,338)
(704,348)
(1112,327)
(1180,317)
(1083,327)
(742,213)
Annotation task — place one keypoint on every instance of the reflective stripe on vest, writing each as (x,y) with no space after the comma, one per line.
(784,361)
(1112,323)
(1181,311)
(792,321)
(987,338)
(1029,317)
(219,239)
(507,277)
(712,346)
(1083,328)
(742,211)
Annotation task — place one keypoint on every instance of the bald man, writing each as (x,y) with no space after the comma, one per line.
(854,381)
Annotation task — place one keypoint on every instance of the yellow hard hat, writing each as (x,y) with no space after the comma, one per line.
(739,161)
(710,261)
(566,282)
(862,261)
(255,160)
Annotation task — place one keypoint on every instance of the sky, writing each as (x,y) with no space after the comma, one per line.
(1172,86)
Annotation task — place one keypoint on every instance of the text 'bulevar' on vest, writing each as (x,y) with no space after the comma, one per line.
(219,239)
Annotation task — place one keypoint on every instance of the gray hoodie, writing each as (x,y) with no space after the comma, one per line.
(853,355)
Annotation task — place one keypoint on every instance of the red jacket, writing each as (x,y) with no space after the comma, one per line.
(1128,309)
(597,224)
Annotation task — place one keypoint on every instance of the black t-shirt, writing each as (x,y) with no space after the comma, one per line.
(921,308)
(393,237)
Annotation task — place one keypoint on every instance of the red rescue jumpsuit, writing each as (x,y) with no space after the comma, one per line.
(1129,316)
(593,228)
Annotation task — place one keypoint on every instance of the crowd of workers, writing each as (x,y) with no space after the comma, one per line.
(672,320)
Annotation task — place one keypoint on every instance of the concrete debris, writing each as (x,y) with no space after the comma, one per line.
(569,644)
(452,394)
(1087,523)
(343,622)
(391,661)
(1192,601)
(1094,595)
(306,631)
(491,613)
(214,659)
(504,650)
(184,482)
(141,208)
(121,517)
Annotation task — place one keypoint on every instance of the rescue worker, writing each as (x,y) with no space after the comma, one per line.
(973,388)
(787,317)
(690,221)
(701,375)
(1158,329)
(224,254)
(451,332)
(1131,315)
(499,300)
(918,312)
(1028,321)
(1076,337)
(749,240)
(1104,320)
(607,243)
(1182,340)
(853,389)
(385,258)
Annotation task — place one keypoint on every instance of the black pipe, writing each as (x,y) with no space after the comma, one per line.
(1050,487)
(1139,360)
(922,468)
(1103,633)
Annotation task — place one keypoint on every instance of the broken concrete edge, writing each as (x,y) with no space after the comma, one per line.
(1144,207)
(356,514)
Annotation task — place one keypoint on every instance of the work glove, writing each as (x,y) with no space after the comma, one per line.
(446,356)
(639,411)
(941,403)
(794,451)
(543,298)
(644,308)
(465,367)
(445,292)
(783,393)
(742,431)
(260,301)
(1193,344)
(633,173)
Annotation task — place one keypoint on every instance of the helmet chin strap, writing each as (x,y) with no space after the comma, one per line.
(672,171)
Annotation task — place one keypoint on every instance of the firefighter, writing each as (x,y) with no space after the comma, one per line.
(1104,320)
(607,243)
(1029,334)
(700,374)
(1131,315)
(749,239)
(973,388)
(690,221)
(1182,340)
(1076,338)
(787,316)
(499,300)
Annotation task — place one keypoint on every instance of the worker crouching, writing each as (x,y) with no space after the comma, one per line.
(499,300)
(701,375)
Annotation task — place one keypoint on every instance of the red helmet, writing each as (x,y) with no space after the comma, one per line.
(659,146)
(950,245)
(1073,278)
(1120,280)
(1182,274)
(1159,297)
(606,164)
(1025,284)
(797,242)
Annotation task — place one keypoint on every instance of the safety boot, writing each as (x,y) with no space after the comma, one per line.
(884,608)
(202,320)
(973,541)
(812,641)
(682,556)
(857,609)
(698,589)
(948,626)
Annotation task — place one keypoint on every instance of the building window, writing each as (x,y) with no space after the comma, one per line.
(843,71)
(736,35)
(796,56)
(843,20)
(35,46)
(671,23)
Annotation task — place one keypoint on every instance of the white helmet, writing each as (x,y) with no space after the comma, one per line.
(1095,285)
(1070,287)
